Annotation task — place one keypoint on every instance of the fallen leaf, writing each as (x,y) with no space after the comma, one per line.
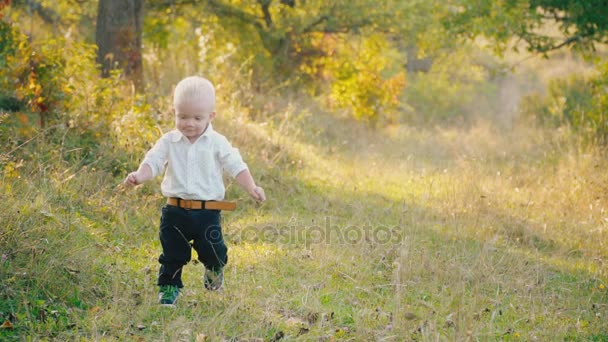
(410,316)
(6,325)
(46,213)
(303,331)
(71,270)
(294,321)
(42,315)
(449,320)
(312,317)
(279,335)
(328,316)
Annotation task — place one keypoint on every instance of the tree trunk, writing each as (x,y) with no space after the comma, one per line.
(415,64)
(118,37)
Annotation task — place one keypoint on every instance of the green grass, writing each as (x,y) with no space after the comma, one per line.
(404,233)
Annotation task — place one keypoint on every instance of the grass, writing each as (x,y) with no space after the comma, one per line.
(407,233)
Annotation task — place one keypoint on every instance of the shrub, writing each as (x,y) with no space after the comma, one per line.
(457,86)
(363,75)
(578,101)
(58,80)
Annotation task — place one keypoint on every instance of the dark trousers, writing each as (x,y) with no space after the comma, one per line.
(178,227)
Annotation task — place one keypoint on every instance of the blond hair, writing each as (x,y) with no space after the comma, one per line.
(195,88)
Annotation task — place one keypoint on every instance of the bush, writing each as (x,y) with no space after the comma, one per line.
(362,75)
(58,81)
(579,102)
(457,86)
(32,73)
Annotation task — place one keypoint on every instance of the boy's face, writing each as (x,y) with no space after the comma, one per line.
(192,118)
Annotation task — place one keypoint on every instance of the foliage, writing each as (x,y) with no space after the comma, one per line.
(284,28)
(582,23)
(362,75)
(194,44)
(68,18)
(59,81)
(293,43)
(457,87)
(579,102)
(47,75)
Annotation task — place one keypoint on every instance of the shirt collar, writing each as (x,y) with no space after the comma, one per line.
(177,135)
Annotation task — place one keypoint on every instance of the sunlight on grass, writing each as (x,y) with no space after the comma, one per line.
(438,233)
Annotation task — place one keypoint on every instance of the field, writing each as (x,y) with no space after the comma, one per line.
(430,175)
(467,232)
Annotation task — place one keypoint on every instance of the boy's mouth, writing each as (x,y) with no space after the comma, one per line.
(190,131)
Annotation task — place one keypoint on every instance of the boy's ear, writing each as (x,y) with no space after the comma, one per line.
(211,116)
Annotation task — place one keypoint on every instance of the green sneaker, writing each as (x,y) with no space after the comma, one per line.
(214,280)
(167,295)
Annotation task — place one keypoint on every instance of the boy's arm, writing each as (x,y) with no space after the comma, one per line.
(143,174)
(152,164)
(245,180)
(232,162)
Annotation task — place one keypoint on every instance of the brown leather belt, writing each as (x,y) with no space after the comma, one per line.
(199,205)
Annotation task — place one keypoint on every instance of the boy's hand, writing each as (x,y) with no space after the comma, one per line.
(245,180)
(258,194)
(138,177)
(133,179)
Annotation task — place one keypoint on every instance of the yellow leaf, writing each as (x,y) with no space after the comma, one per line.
(23,118)
(6,325)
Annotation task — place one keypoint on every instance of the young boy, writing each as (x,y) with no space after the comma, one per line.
(194,155)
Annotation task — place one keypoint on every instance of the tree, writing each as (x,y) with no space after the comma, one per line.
(286,28)
(582,23)
(352,51)
(119,38)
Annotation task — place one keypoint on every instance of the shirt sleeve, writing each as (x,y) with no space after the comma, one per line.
(230,158)
(157,156)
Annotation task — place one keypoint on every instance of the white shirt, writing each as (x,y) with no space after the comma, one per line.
(194,170)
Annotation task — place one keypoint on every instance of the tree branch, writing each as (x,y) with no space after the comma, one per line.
(566,42)
(48,15)
(290,3)
(554,16)
(232,11)
(312,25)
(343,28)
(266,10)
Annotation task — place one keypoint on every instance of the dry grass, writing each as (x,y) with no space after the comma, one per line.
(407,233)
